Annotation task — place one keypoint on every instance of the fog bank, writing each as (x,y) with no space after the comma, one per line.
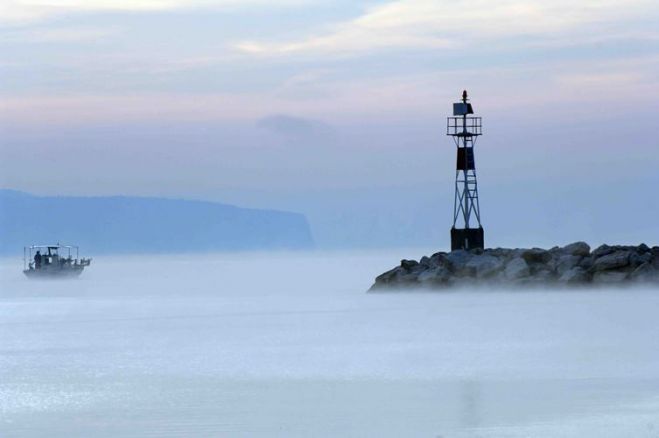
(291,345)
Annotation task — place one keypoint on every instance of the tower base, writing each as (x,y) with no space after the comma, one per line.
(467,238)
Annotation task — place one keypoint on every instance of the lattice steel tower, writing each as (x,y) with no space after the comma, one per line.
(466,210)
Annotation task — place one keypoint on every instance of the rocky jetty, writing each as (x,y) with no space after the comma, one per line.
(571,265)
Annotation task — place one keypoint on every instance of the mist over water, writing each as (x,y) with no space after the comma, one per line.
(291,345)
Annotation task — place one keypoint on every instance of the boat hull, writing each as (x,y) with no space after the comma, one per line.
(54,273)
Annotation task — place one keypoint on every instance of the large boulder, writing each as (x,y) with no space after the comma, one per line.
(397,277)
(434,277)
(611,278)
(543,275)
(638,258)
(484,266)
(643,248)
(438,259)
(456,261)
(645,273)
(502,253)
(536,255)
(587,262)
(574,276)
(566,262)
(612,260)
(389,276)
(603,250)
(409,264)
(580,249)
(517,268)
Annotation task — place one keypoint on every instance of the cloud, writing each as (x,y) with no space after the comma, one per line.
(82,109)
(60,34)
(456,23)
(27,11)
(582,88)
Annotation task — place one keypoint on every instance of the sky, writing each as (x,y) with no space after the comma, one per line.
(337,109)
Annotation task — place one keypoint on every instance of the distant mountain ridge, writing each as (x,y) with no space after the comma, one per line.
(122,224)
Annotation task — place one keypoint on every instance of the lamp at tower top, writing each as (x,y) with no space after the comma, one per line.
(463,108)
(462,124)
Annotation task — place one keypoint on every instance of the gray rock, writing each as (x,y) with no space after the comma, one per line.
(543,275)
(603,250)
(613,260)
(388,276)
(408,264)
(638,258)
(575,275)
(645,272)
(436,276)
(438,259)
(555,249)
(581,249)
(517,268)
(405,278)
(573,264)
(485,266)
(609,277)
(566,262)
(643,248)
(457,260)
(536,255)
(499,252)
(397,277)
(426,276)
(587,262)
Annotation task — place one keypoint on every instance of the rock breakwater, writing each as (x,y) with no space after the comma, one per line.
(571,265)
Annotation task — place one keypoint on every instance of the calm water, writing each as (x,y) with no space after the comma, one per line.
(290,345)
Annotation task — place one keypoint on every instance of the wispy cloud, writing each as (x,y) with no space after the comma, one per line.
(58,34)
(455,23)
(81,109)
(581,88)
(27,11)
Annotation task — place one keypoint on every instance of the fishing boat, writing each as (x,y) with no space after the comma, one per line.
(53,261)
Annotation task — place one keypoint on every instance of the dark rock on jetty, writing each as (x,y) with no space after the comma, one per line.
(571,265)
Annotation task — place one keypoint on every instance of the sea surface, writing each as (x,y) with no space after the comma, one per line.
(291,345)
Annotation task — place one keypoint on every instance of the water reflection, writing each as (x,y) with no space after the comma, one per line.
(470,404)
